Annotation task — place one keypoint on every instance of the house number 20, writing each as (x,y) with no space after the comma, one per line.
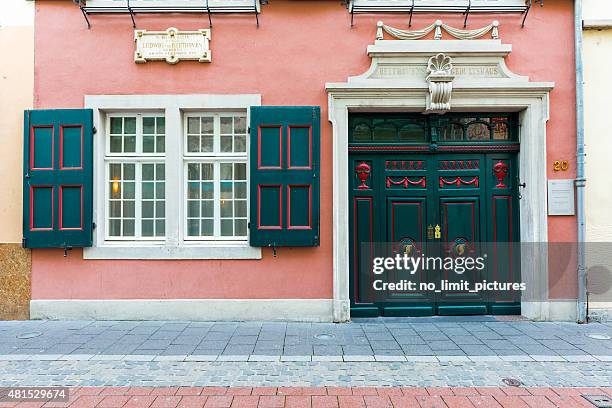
(560,165)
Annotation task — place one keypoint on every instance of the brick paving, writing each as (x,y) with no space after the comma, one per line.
(322,397)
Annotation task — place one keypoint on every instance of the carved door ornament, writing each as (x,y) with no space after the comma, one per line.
(363,173)
(500,170)
(440,79)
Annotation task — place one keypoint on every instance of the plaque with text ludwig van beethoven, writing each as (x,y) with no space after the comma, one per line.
(172,45)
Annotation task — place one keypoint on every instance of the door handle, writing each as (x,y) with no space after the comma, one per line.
(438,232)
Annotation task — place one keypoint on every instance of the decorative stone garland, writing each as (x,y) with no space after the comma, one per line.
(437,27)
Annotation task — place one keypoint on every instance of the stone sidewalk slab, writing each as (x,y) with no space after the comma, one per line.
(450,339)
(323,397)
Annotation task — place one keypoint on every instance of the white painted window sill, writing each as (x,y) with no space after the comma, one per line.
(135,251)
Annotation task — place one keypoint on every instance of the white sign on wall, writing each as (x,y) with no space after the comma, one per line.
(172,45)
(561,197)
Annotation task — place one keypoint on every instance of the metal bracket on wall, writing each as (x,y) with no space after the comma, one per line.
(409,6)
(203,8)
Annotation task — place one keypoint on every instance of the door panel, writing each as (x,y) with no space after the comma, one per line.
(401,198)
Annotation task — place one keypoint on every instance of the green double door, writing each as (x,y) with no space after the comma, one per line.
(446,205)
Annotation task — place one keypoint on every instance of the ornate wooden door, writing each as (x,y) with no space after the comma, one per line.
(445,205)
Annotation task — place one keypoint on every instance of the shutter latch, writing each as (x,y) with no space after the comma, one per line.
(273,245)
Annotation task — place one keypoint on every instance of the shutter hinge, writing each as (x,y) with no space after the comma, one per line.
(249,129)
(94,130)
(66,249)
(23,242)
(93,225)
(314,113)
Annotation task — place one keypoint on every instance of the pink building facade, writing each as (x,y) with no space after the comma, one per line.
(162,251)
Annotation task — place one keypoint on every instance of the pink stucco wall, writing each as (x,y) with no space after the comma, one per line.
(299,46)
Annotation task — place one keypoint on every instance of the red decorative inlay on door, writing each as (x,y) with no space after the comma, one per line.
(406,182)
(363,173)
(458,181)
(500,170)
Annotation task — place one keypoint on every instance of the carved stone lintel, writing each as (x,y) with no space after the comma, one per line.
(440,79)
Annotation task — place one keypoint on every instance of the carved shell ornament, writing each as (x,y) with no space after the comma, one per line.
(440,65)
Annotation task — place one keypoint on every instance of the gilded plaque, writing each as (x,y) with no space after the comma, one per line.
(172,45)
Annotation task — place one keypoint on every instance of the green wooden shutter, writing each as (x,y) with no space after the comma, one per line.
(57,178)
(285,143)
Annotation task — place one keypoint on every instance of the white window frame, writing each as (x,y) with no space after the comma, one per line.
(216,157)
(175,108)
(138,158)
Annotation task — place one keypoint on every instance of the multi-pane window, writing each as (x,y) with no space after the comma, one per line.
(135,174)
(216,176)
(212,188)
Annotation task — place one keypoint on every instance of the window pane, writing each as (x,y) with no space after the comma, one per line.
(207,228)
(226,209)
(115,171)
(129,144)
(148,125)
(128,209)
(128,190)
(207,171)
(147,209)
(226,190)
(161,125)
(227,228)
(193,227)
(208,190)
(226,171)
(116,126)
(478,131)
(148,144)
(160,144)
(147,228)
(207,143)
(115,144)
(193,189)
(193,209)
(114,228)
(240,144)
(241,228)
(193,126)
(193,171)
(129,171)
(148,171)
(193,144)
(160,190)
(128,228)
(160,228)
(240,124)
(240,190)
(207,124)
(226,144)
(129,125)
(226,125)
(240,208)
(240,171)
(208,209)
